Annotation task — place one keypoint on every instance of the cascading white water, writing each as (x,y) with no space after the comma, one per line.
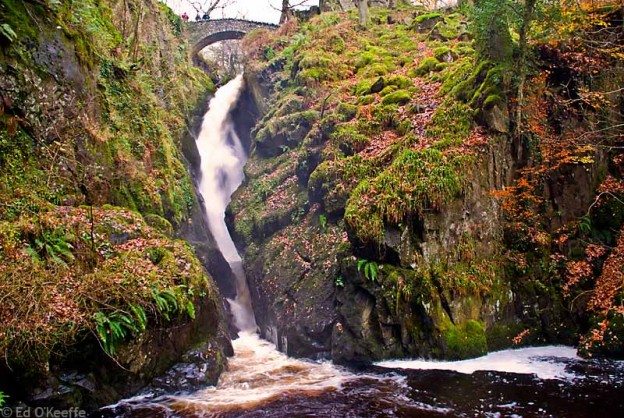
(247,381)
(222,160)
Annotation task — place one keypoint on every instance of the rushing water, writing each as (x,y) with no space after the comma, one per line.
(222,161)
(262,382)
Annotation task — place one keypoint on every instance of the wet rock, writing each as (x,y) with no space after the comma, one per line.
(198,368)
(496,118)
(378,85)
(427,23)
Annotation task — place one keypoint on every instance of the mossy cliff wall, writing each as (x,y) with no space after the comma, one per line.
(99,293)
(374,218)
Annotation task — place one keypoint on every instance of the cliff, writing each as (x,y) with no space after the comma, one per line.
(99,293)
(384,213)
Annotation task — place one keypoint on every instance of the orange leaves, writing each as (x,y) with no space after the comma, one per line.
(575,272)
(595,252)
(611,185)
(518,339)
(611,281)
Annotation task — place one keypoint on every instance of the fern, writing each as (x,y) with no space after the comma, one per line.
(585,225)
(323,222)
(113,329)
(53,246)
(190,309)
(3,398)
(7,32)
(370,269)
(361,263)
(166,303)
(140,317)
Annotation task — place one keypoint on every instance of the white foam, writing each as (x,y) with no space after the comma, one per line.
(259,373)
(544,362)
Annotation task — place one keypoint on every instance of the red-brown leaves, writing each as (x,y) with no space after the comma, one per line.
(611,280)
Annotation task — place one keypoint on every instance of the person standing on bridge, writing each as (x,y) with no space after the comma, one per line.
(198,17)
(206,16)
(185,17)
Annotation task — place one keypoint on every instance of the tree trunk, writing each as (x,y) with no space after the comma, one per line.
(286,11)
(527,17)
(363,12)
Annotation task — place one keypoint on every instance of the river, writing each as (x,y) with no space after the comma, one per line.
(262,382)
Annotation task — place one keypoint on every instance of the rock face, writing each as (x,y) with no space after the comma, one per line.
(313,300)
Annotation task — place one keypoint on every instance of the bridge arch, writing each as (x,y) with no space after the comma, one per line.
(216,37)
(206,32)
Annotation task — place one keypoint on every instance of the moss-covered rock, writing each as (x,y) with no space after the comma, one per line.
(399,97)
(466,340)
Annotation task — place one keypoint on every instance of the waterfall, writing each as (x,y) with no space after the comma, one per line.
(222,160)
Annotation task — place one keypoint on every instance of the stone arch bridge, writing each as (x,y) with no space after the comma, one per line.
(202,33)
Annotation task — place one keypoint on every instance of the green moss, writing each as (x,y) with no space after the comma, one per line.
(441,66)
(399,97)
(272,128)
(492,87)
(425,67)
(491,101)
(363,87)
(464,50)
(415,181)
(365,100)
(333,181)
(377,69)
(451,124)
(500,335)
(465,340)
(400,81)
(346,111)
(348,138)
(441,52)
(159,223)
(318,66)
(386,115)
(387,90)
(427,16)
(449,28)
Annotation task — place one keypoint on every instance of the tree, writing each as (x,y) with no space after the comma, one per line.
(527,18)
(286,11)
(363,12)
(206,7)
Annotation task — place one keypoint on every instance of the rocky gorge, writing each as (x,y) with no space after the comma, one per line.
(401,199)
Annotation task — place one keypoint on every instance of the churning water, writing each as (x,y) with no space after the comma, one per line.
(262,382)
